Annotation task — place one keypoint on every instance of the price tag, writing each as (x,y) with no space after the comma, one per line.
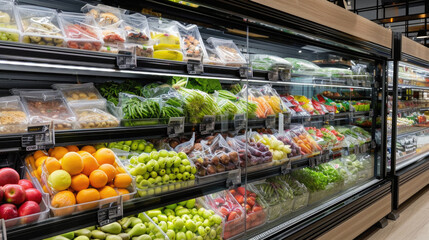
(270,122)
(287,118)
(350,116)
(318,160)
(234,179)
(176,126)
(311,162)
(281,123)
(38,137)
(306,119)
(110,212)
(239,121)
(3,230)
(246,72)
(195,67)
(126,59)
(224,124)
(207,126)
(329,116)
(285,168)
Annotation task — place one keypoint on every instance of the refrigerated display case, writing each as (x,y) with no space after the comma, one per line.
(407,123)
(163,149)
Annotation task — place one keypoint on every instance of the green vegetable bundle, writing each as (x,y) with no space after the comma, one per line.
(242,106)
(313,180)
(134,107)
(111,90)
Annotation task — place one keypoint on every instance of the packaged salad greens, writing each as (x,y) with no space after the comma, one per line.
(10,30)
(269,62)
(167,37)
(227,51)
(304,67)
(80,31)
(40,26)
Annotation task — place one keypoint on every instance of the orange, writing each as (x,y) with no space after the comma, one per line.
(83,153)
(89,149)
(89,164)
(98,179)
(120,170)
(87,195)
(52,164)
(72,148)
(122,180)
(45,189)
(63,199)
(50,151)
(109,170)
(29,159)
(79,182)
(72,163)
(40,161)
(39,171)
(107,192)
(59,152)
(123,191)
(105,155)
(39,153)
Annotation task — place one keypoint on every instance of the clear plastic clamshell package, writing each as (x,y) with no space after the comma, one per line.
(211,57)
(276,194)
(300,192)
(109,20)
(167,39)
(255,207)
(136,28)
(47,106)
(78,92)
(13,118)
(191,42)
(40,26)
(10,30)
(227,51)
(81,31)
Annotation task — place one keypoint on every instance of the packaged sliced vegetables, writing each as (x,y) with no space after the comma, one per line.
(191,42)
(269,62)
(306,104)
(254,95)
(273,98)
(166,36)
(40,26)
(13,118)
(81,31)
(211,57)
(10,30)
(136,28)
(93,114)
(77,92)
(48,106)
(227,51)
(135,107)
(307,143)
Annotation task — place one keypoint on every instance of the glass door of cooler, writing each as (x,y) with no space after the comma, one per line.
(408,114)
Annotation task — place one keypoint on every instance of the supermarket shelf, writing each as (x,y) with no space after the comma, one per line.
(309,223)
(414,130)
(402,163)
(417,109)
(409,86)
(57,225)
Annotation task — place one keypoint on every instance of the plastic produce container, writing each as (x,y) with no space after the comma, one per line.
(46,106)
(33,218)
(257,214)
(40,26)
(225,205)
(300,192)
(191,42)
(167,39)
(276,194)
(81,31)
(10,30)
(157,231)
(13,118)
(93,114)
(136,28)
(67,210)
(211,57)
(227,51)
(78,92)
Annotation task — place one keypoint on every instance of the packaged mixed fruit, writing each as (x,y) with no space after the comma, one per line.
(40,26)
(81,31)
(13,118)
(136,28)
(167,37)
(10,30)
(227,51)
(255,153)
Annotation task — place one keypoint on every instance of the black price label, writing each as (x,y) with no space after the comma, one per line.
(246,72)
(110,212)
(38,137)
(287,118)
(207,126)
(239,121)
(312,162)
(195,67)
(318,160)
(270,121)
(176,126)
(234,179)
(285,168)
(126,59)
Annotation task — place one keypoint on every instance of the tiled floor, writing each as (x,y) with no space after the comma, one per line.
(412,224)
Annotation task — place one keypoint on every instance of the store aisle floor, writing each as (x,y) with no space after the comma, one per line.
(413,223)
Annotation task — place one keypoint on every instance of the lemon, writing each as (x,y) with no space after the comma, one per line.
(59,180)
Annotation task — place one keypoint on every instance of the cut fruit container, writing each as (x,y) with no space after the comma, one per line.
(13,118)
(10,30)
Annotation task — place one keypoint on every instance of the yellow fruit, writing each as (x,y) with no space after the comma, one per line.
(59,180)
(72,162)
(52,164)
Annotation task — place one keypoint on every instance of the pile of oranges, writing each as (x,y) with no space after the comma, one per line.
(76,176)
